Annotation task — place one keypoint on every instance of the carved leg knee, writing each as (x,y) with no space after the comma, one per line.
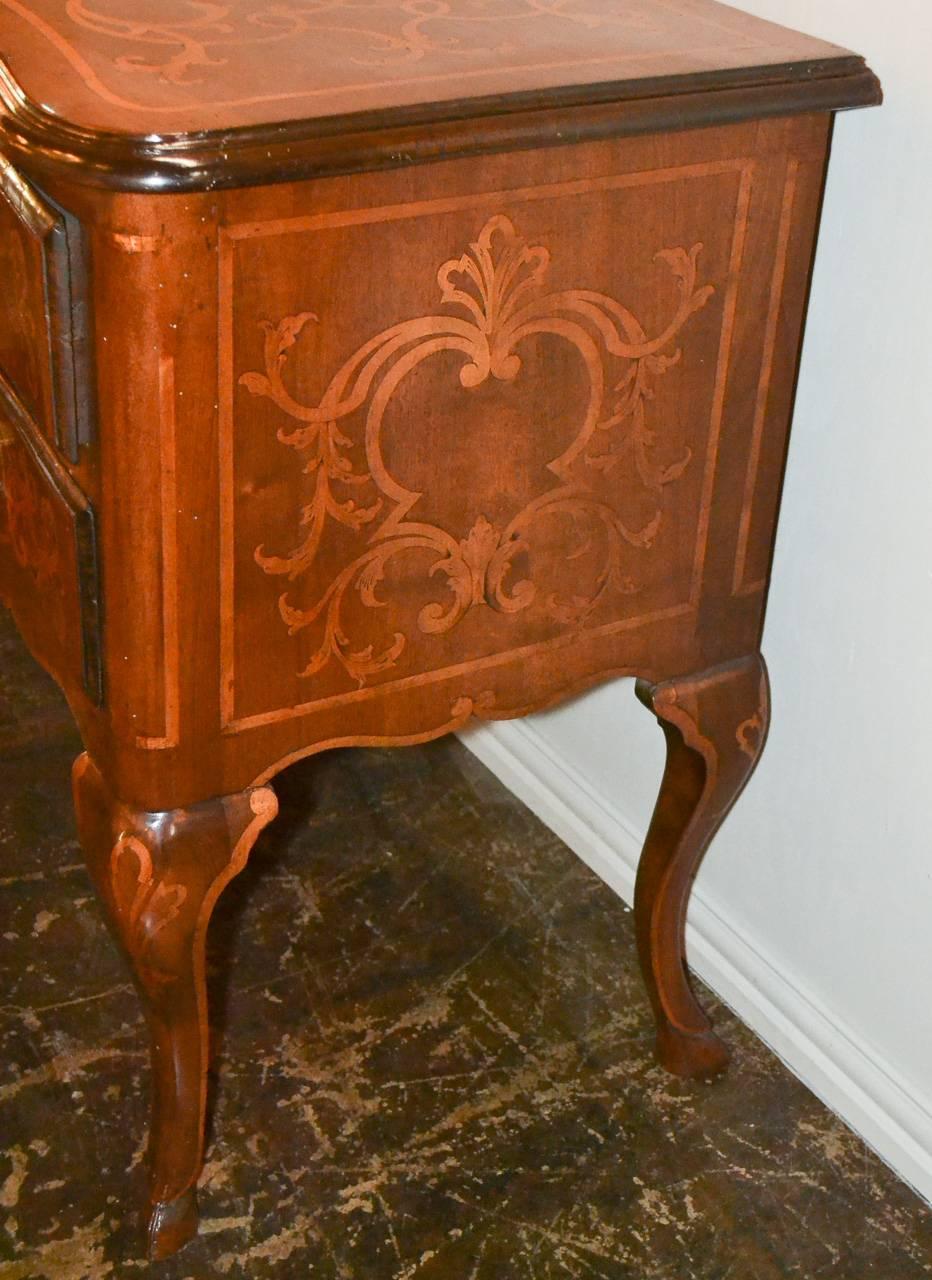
(159,876)
(715,724)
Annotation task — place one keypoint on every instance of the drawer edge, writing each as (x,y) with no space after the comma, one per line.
(66,287)
(84,525)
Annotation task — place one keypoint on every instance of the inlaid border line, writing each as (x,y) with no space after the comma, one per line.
(739,239)
(82,66)
(454,204)
(226,382)
(230,724)
(169,520)
(441,674)
(739,586)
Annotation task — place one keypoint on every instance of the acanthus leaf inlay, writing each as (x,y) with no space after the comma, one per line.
(499,285)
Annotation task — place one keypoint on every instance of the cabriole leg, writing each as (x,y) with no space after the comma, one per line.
(159,876)
(715,724)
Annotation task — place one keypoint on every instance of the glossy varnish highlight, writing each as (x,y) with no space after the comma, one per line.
(183,99)
(186,69)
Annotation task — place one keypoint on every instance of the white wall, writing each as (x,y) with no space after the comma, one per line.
(813,912)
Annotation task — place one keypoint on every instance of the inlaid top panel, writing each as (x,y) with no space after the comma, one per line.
(184,66)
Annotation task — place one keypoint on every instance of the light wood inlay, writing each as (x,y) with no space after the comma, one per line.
(740,168)
(739,238)
(447,351)
(171,653)
(499,283)
(741,587)
(175,69)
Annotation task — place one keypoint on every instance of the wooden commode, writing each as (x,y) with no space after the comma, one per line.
(370,367)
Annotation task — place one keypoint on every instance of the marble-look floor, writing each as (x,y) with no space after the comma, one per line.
(432,1058)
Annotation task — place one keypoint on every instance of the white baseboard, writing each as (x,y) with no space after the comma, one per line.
(828,1057)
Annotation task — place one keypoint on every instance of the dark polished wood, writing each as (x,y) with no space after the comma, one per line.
(367,141)
(306,442)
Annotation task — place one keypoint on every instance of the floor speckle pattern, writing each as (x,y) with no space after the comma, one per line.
(432,1058)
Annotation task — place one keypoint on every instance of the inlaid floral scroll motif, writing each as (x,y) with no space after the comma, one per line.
(494,301)
(749,734)
(375,33)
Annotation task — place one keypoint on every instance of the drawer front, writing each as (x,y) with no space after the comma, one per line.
(43,313)
(48,554)
(476,427)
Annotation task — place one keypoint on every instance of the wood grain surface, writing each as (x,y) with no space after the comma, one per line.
(43,322)
(403,449)
(49,565)
(192,67)
(229,93)
(373,447)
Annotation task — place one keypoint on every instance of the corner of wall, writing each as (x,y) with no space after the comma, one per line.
(826,1055)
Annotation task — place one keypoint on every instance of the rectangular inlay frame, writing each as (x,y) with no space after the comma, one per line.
(743,166)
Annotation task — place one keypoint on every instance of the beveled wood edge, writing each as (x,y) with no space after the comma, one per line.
(71,332)
(393,138)
(32,211)
(85,533)
(64,252)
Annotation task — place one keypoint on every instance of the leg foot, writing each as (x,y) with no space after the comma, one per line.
(692,1054)
(171,1225)
(715,725)
(159,876)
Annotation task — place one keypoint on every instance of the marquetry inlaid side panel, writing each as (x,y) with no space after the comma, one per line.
(459,430)
(182,66)
(403,449)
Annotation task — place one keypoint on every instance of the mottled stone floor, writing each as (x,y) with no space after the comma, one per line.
(433,1058)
